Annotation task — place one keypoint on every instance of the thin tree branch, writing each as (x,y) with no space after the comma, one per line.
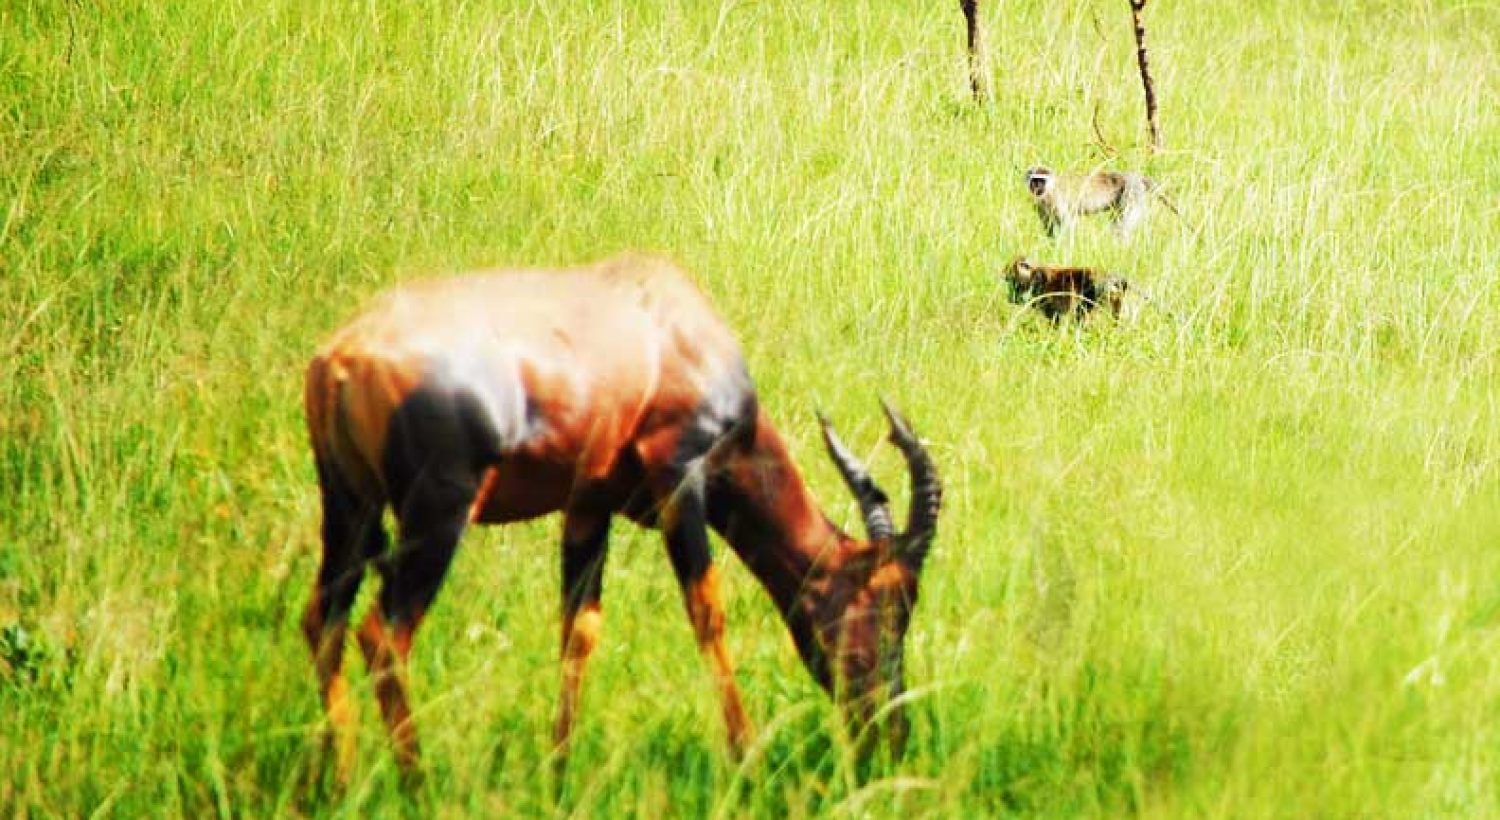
(1137,13)
(979,61)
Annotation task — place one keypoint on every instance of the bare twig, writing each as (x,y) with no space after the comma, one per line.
(1137,11)
(1104,144)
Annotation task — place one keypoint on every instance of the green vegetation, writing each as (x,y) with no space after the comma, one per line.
(1237,558)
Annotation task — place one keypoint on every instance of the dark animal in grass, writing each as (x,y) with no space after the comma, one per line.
(1061,292)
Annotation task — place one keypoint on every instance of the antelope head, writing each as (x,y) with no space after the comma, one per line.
(872,590)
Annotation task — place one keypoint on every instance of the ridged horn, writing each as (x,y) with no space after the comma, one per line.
(874,505)
(926,491)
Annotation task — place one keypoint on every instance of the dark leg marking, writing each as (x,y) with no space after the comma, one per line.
(352,536)
(584,548)
(434,460)
(685,526)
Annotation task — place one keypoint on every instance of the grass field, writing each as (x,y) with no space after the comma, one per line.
(1237,558)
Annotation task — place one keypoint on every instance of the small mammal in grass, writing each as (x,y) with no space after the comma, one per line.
(1061,198)
(1059,291)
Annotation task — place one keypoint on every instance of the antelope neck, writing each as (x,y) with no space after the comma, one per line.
(765,512)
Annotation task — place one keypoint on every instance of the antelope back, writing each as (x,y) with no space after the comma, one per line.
(563,371)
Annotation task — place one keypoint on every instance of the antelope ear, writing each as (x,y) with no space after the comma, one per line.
(861,564)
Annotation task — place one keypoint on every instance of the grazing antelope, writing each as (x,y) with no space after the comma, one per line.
(611,388)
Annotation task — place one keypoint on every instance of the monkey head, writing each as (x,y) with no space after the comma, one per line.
(1020,275)
(1038,179)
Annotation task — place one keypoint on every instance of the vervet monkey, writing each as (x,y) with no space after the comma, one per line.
(1061,198)
(1059,291)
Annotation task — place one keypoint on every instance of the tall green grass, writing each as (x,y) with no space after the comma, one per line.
(1236,558)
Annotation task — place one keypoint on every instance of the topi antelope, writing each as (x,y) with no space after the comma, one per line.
(611,388)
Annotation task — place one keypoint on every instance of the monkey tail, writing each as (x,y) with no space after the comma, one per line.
(1171,207)
(1155,188)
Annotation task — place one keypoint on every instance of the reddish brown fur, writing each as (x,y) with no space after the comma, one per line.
(604,393)
(1059,291)
(595,390)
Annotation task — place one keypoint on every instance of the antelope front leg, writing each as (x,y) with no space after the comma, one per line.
(685,524)
(585,537)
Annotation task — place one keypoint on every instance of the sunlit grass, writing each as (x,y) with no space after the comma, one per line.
(1236,558)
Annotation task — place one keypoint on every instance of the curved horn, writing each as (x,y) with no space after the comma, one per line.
(874,505)
(926,490)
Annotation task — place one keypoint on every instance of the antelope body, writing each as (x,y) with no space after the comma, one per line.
(611,388)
